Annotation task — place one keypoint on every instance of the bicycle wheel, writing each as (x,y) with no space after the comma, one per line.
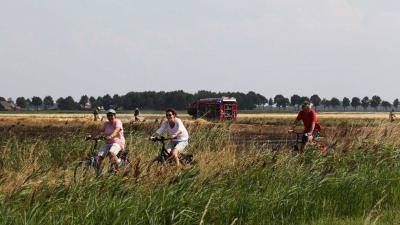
(125,166)
(112,168)
(155,165)
(84,170)
(186,158)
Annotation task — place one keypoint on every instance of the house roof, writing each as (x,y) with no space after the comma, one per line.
(8,106)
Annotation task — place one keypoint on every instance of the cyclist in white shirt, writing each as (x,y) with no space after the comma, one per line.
(177,132)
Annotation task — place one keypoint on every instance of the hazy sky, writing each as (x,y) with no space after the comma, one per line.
(75,47)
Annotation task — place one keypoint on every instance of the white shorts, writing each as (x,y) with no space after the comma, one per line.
(106,148)
(178,145)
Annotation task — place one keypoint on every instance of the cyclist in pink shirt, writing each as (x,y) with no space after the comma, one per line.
(114,135)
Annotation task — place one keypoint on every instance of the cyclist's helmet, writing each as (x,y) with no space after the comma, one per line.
(111,111)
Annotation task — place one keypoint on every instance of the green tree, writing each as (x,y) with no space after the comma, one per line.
(316,100)
(21,102)
(355,102)
(287,102)
(270,102)
(261,100)
(345,103)
(205,94)
(48,102)
(252,98)
(67,104)
(84,100)
(60,102)
(37,102)
(280,101)
(295,100)
(28,102)
(335,102)
(375,102)
(117,101)
(2,99)
(107,102)
(92,101)
(386,104)
(99,101)
(396,103)
(304,99)
(179,100)
(10,100)
(365,102)
(131,100)
(326,103)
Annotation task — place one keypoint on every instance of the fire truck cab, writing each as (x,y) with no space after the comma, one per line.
(224,108)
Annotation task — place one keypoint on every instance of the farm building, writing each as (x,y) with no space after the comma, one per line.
(8,106)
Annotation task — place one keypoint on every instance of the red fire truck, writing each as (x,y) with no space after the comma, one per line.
(224,108)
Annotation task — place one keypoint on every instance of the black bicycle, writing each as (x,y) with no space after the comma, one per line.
(89,167)
(164,156)
(301,136)
(298,141)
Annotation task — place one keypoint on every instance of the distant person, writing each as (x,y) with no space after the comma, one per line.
(114,135)
(136,114)
(96,116)
(310,122)
(177,132)
(392,116)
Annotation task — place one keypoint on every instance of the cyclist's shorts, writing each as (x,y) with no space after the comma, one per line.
(314,135)
(106,148)
(178,145)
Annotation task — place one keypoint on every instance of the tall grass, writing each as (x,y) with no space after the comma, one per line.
(356,182)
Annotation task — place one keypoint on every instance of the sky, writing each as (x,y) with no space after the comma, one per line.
(333,48)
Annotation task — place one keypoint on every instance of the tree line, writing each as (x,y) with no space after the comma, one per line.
(149,100)
(334,103)
(152,100)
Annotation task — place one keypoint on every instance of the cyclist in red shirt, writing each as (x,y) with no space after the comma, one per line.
(310,122)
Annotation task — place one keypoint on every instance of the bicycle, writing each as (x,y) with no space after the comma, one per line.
(300,140)
(164,156)
(89,167)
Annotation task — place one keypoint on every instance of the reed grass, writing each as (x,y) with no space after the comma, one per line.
(356,182)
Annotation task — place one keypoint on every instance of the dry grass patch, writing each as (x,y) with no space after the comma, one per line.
(324,115)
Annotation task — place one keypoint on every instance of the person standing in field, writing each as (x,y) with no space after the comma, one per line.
(392,116)
(310,122)
(96,114)
(177,132)
(114,135)
(136,114)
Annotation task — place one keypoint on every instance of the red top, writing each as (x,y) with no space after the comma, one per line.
(307,119)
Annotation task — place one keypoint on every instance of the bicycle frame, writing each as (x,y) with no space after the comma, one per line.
(299,139)
(93,151)
(122,155)
(89,165)
(165,156)
(90,162)
(163,153)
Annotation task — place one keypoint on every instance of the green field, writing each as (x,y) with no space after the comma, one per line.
(356,182)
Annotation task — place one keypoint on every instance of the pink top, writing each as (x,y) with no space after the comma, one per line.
(109,127)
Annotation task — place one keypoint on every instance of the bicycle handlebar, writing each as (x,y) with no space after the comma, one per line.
(161,139)
(89,137)
(295,132)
